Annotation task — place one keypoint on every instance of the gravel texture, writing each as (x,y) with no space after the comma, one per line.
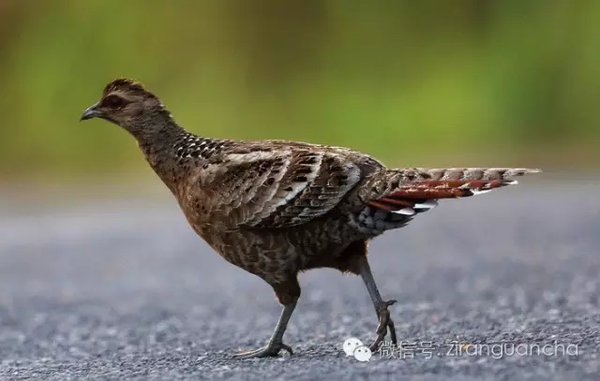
(123,289)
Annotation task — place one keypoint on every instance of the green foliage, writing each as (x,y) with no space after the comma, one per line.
(415,83)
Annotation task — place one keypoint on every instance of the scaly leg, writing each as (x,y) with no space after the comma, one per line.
(276,341)
(288,294)
(381,306)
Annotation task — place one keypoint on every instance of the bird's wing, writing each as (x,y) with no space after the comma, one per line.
(280,186)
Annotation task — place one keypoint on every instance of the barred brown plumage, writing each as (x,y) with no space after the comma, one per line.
(275,208)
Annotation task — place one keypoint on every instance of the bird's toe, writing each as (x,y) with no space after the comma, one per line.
(271,350)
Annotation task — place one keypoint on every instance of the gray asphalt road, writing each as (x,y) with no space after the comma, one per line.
(125,290)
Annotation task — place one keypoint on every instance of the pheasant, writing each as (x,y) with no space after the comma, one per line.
(275,208)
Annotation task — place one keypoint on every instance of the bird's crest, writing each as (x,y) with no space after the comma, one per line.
(126,85)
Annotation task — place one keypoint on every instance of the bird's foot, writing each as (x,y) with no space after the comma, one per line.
(272,349)
(385,324)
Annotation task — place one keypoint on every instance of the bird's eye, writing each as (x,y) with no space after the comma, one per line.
(113,102)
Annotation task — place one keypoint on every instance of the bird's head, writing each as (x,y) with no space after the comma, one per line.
(126,103)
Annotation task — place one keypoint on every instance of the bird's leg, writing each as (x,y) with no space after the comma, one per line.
(288,294)
(381,306)
(276,341)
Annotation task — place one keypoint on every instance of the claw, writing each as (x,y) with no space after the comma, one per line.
(385,324)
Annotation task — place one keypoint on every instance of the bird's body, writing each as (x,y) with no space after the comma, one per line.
(275,208)
(272,208)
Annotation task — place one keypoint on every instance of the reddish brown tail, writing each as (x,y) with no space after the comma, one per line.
(432,184)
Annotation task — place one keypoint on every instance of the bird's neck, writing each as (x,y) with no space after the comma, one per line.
(170,150)
(155,132)
(157,138)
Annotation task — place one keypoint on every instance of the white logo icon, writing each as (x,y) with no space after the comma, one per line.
(350,345)
(354,347)
(362,353)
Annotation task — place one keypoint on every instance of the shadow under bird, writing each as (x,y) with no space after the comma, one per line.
(275,208)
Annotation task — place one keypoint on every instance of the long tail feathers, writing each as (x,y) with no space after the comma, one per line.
(422,195)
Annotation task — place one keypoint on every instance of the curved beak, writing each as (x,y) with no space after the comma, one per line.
(91,113)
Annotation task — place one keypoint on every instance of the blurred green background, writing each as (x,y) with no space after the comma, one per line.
(416,83)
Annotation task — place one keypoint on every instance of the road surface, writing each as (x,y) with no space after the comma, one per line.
(123,289)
